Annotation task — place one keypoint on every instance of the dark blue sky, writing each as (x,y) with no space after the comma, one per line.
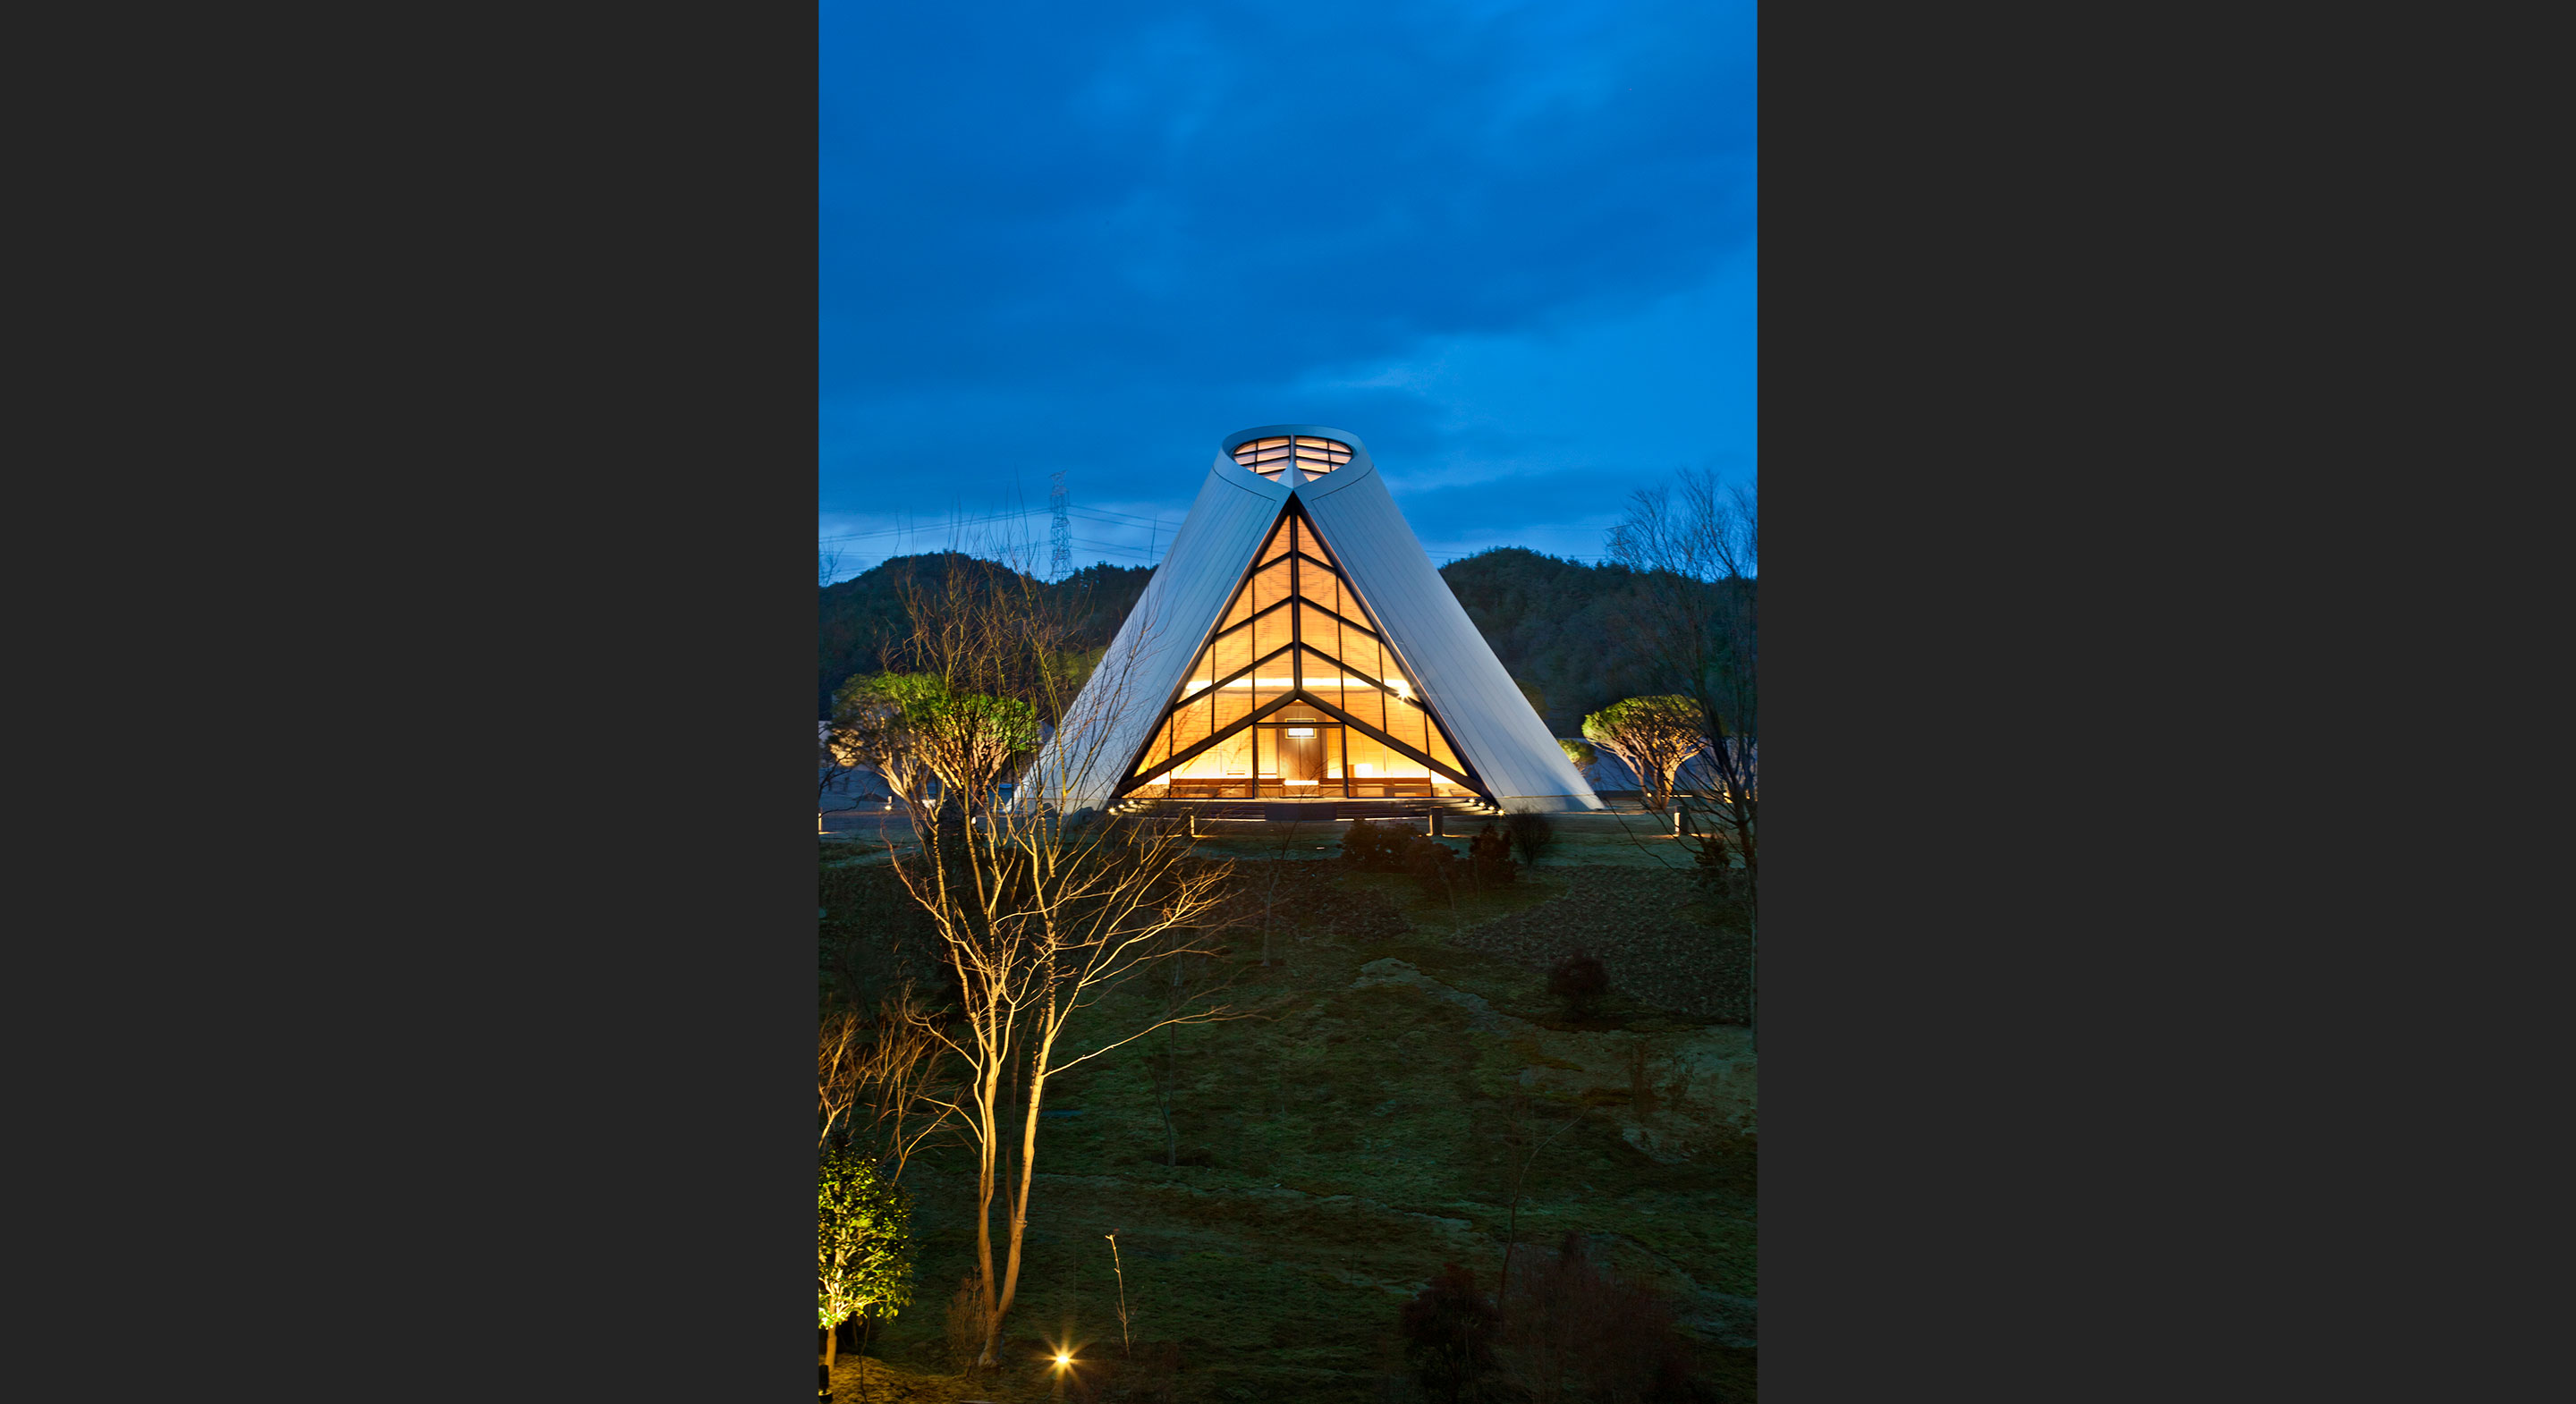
(1508,245)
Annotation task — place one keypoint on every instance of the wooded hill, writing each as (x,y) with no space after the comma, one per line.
(1558,626)
(863,614)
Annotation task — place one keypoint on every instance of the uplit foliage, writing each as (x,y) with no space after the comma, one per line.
(916,729)
(862,1240)
(1654,735)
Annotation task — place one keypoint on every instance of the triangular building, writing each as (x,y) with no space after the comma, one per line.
(1297,645)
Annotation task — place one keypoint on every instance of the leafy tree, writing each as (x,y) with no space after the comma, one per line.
(1654,735)
(1580,752)
(928,739)
(862,1243)
(868,730)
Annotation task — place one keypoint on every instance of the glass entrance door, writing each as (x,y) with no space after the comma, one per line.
(1300,758)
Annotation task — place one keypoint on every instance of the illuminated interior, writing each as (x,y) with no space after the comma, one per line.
(1271,457)
(1297,697)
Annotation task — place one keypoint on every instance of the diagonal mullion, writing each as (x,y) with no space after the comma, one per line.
(1389,742)
(1181,758)
(1248,621)
(1393,696)
(1197,749)
(1354,672)
(1385,639)
(1179,696)
(1181,693)
(1211,689)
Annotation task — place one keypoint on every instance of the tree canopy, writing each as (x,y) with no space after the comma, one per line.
(1654,735)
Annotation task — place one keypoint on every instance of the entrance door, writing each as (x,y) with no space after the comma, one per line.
(1301,755)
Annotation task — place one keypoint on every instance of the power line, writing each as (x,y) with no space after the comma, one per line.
(1106,517)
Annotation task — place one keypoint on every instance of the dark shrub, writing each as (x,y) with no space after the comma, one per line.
(1728,885)
(1574,1331)
(1374,848)
(1578,980)
(1448,1331)
(1434,865)
(1532,834)
(1490,853)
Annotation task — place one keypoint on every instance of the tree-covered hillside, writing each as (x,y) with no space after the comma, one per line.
(1558,626)
(862,614)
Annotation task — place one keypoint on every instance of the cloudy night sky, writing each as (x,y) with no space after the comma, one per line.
(1509,246)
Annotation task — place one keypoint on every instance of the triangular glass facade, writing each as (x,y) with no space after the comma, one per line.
(1297,696)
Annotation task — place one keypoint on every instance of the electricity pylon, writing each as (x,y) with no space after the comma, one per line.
(1060,560)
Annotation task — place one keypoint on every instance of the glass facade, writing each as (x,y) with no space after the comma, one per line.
(1346,721)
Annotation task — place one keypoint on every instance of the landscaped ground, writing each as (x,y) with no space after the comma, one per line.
(1341,1146)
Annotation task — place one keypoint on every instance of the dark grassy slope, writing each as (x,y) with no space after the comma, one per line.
(1350,1142)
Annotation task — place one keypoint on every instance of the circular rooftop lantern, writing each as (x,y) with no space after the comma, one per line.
(1271,457)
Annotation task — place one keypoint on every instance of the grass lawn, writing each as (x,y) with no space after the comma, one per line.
(1342,1144)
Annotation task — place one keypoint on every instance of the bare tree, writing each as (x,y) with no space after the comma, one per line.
(1037,914)
(1694,615)
(879,1081)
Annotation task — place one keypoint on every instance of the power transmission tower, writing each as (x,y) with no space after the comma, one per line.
(1060,560)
